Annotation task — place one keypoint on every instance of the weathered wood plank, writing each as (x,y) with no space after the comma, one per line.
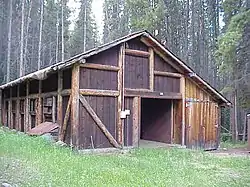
(1,104)
(63,128)
(136,122)
(98,122)
(112,93)
(172,121)
(60,99)
(120,83)
(167,74)
(248,133)
(151,69)
(139,53)
(39,104)
(10,107)
(183,129)
(100,67)
(75,105)
(26,115)
(18,115)
(150,94)
(53,109)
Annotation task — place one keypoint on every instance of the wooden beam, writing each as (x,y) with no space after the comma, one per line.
(167,74)
(121,95)
(136,122)
(54,109)
(65,121)
(99,122)
(100,67)
(172,121)
(1,110)
(163,56)
(151,69)
(75,105)
(183,129)
(150,94)
(60,100)
(248,134)
(39,114)
(18,115)
(64,92)
(139,53)
(10,107)
(26,115)
(112,93)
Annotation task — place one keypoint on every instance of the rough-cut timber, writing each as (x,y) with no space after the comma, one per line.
(99,122)
(114,95)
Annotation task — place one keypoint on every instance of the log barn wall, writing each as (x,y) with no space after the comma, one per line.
(87,99)
(202,120)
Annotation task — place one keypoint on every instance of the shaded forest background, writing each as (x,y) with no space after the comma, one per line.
(212,36)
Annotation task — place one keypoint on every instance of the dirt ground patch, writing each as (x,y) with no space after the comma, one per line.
(231,152)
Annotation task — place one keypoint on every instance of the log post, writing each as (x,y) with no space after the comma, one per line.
(53,109)
(39,104)
(75,105)
(59,100)
(1,104)
(120,84)
(26,115)
(183,129)
(136,121)
(18,115)
(10,110)
(248,134)
(151,69)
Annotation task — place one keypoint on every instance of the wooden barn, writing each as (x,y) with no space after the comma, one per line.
(117,94)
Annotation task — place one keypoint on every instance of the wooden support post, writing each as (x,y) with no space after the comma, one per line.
(1,104)
(245,128)
(75,105)
(136,122)
(151,69)
(5,114)
(10,110)
(39,113)
(121,95)
(65,121)
(53,109)
(183,129)
(26,115)
(99,122)
(172,121)
(60,100)
(18,115)
(248,134)
(219,125)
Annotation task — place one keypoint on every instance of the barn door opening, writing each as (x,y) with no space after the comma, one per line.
(156,120)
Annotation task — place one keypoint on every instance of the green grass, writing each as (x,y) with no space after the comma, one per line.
(231,145)
(29,161)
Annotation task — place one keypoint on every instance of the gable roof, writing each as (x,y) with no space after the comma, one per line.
(151,41)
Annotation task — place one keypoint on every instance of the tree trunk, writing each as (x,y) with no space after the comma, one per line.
(9,42)
(40,37)
(62,31)
(21,72)
(27,38)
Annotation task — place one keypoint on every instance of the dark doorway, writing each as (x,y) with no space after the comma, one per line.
(156,120)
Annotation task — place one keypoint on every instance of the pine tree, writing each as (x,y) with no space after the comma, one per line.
(84,36)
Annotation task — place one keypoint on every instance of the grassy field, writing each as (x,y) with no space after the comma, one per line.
(28,161)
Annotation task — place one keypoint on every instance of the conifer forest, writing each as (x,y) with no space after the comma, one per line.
(211,36)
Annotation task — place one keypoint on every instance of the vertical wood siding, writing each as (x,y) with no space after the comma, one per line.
(166,84)
(162,65)
(136,44)
(105,108)
(98,79)
(136,72)
(68,129)
(201,117)
(108,57)
(128,124)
